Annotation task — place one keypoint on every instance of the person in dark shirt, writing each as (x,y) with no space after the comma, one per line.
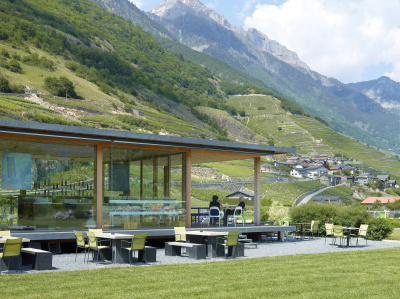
(214,203)
(232,211)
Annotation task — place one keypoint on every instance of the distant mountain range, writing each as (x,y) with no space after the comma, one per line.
(384,91)
(346,108)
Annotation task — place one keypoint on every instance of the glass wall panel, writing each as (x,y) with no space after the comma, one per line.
(46,185)
(140,189)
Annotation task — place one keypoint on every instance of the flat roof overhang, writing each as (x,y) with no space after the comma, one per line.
(203,150)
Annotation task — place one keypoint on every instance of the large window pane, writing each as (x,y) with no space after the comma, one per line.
(46,185)
(139,190)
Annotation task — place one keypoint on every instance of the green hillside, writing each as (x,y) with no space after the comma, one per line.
(84,66)
(311,137)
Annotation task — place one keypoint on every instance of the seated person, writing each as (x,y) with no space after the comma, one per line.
(231,211)
(215,203)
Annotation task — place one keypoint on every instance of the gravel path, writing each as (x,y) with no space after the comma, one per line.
(65,262)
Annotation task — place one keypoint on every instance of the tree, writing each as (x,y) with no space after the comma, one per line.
(4,85)
(346,172)
(379,184)
(60,87)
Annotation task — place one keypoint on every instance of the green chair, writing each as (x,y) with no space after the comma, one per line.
(314,228)
(286,222)
(362,232)
(96,230)
(231,241)
(94,245)
(329,230)
(80,243)
(179,236)
(12,247)
(138,243)
(338,233)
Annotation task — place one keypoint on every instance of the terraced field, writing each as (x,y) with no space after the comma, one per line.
(373,161)
(309,136)
(274,123)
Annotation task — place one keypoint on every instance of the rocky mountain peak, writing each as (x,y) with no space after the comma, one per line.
(176,8)
(179,16)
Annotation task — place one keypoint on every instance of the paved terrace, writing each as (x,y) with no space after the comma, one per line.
(268,247)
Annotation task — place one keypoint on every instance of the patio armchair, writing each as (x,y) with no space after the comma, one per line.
(237,213)
(94,245)
(338,233)
(362,232)
(12,248)
(314,228)
(178,236)
(329,230)
(214,213)
(80,243)
(231,241)
(138,243)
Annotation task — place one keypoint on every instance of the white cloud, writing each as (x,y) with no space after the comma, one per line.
(337,38)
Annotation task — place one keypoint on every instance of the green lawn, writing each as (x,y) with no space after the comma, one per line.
(395,235)
(356,274)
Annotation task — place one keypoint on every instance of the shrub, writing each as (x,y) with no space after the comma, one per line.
(353,215)
(4,85)
(378,229)
(395,223)
(277,212)
(14,66)
(60,86)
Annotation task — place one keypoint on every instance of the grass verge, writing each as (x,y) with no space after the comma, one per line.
(355,274)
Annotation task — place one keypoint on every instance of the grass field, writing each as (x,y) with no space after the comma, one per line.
(354,274)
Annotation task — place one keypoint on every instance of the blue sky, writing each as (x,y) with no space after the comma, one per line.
(350,40)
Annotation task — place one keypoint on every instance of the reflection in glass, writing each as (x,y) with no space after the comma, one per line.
(46,185)
(155,197)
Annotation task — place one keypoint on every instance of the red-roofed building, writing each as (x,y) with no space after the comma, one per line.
(383,200)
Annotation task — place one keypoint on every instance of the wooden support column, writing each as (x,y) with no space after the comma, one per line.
(186,186)
(141,180)
(99,186)
(155,177)
(167,177)
(257,207)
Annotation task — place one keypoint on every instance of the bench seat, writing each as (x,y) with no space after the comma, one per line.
(194,250)
(39,259)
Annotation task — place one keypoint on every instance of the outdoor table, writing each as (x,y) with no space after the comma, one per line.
(212,238)
(349,229)
(116,244)
(302,224)
(3,239)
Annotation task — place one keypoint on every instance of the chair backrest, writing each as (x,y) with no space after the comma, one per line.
(12,247)
(96,230)
(178,235)
(337,231)
(139,241)
(238,211)
(363,230)
(314,225)
(80,239)
(214,212)
(329,228)
(233,237)
(92,239)
(5,233)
